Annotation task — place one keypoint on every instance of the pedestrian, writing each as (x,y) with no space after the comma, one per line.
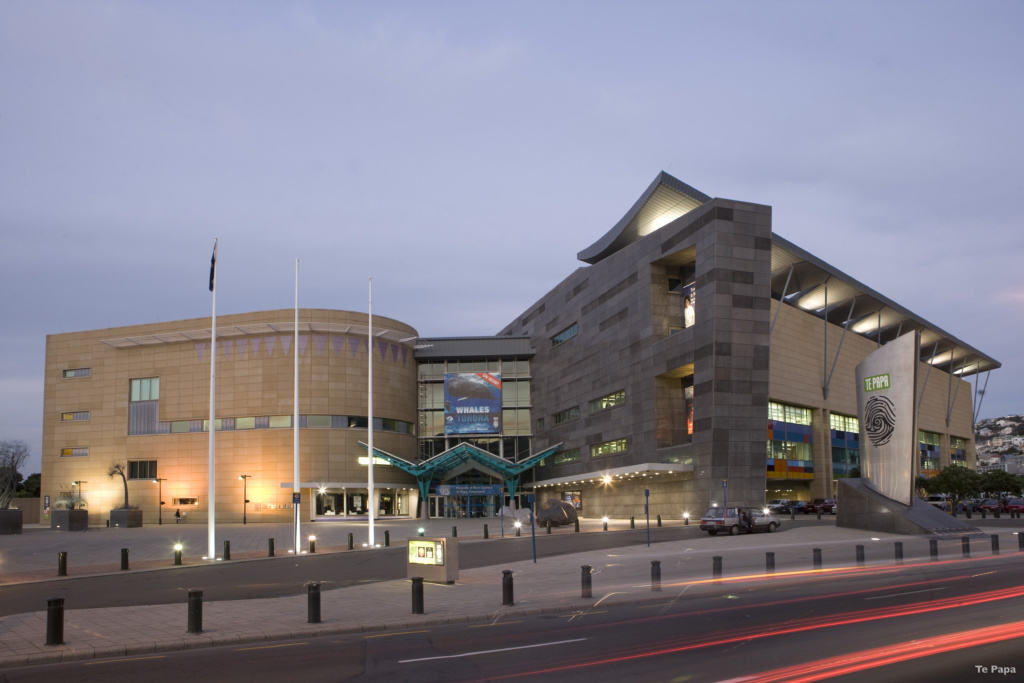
(177,516)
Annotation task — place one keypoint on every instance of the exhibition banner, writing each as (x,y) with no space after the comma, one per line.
(887,408)
(472,403)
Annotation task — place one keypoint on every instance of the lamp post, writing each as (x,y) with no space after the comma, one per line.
(159,481)
(245,493)
(79,485)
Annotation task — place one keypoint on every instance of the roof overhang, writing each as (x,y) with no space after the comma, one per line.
(802,280)
(461,454)
(256,328)
(644,469)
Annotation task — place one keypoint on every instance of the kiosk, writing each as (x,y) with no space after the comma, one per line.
(434,559)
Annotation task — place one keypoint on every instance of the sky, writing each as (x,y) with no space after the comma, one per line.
(462,153)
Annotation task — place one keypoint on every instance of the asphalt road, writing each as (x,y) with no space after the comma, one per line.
(287,575)
(935,622)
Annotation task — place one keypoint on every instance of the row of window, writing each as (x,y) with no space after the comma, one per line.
(565,335)
(227,424)
(75,416)
(616,398)
(508,368)
(514,394)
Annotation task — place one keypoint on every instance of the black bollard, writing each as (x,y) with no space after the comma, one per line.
(817,558)
(576,524)
(898,552)
(548,525)
(965,545)
(606,525)
(1020,542)
(270,547)
(455,532)
(312,545)
(177,556)
(350,544)
(632,522)
(659,521)
(983,513)
(995,513)
(655,575)
(716,566)
(387,538)
(769,563)
(995,544)
(792,514)
(819,514)
(195,611)
(417,595)
(586,582)
(62,563)
(124,559)
(506,587)
(313,602)
(227,550)
(485,532)
(518,529)
(686,520)
(55,621)
(933,549)
(860,556)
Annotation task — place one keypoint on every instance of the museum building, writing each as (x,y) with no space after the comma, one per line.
(697,357)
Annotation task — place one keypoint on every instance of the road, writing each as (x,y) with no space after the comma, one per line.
(921,621)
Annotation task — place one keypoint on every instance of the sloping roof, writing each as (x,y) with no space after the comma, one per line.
(664,200)
(801,279)
(462,453)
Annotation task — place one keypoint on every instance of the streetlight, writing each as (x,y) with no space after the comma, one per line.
(79,485)
(159,481)
(245,496)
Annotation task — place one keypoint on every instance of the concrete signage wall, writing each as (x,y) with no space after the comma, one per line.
(886,406)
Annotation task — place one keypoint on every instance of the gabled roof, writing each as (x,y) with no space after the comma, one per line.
(460,454)
(664,200)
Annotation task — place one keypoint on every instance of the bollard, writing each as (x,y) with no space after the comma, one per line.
(485,532)
(965,545)
(817,558)
(576,524)
(792,513)
(312,545)
(632,522)
(995,513)
(819,514)
(548,525)
(586,582)
(983,513)
(518,530)
(455,532)
(387,538)
(655,575)
(606,525)
(227,550)
(350,541)
(313,602)
(659,521)
(968,508)
(62,563)
(55,621)
(195,611)
(417,595)
(716,566)
(270,547)
(860,556)
(177,556)
(933,549)
(769,563)
(686,519)
(995,544)
(506,587)
(1020,541)
(124,559)
(898,552)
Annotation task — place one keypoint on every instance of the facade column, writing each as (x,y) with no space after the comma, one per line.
(945,451)
(821,449)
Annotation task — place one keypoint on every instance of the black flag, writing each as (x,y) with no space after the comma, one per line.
(213,264)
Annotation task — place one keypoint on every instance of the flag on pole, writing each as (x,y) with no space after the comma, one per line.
(213,264)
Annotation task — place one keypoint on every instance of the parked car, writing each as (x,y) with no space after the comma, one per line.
(824,505)
(735,520)
(778,505)
(991,505)
(1015,505)
(939,500)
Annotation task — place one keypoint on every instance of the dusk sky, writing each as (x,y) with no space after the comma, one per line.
(462,153)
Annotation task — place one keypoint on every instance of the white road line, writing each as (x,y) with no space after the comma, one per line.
(488,652)
(893,595)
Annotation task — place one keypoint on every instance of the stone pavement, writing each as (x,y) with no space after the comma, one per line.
(550,585)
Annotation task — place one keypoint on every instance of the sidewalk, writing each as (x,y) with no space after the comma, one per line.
(550,585)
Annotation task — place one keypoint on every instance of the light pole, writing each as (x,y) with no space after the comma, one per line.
(245,493)
(159,481)
(79,485)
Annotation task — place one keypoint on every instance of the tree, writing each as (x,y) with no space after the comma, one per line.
(12,456)
(30,488)
(956,481)
(118,468)
(996,482)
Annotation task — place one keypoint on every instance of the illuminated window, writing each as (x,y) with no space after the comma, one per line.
(278,421)
(608,448)
(245,423)
(565,335)
(77,416)
(76,452)
(145,389)
(610,401)
(782,412)
(569,455)
(843,423)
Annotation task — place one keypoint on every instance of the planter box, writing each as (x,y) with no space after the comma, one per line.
(69,520)
(10,521)
(126,519)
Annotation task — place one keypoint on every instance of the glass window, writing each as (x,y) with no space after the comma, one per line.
(782,412)
(613,399)
(566,415)
(76,416)
(145,389)
(181,426)
(77,372)
(355,422)
(565,335)
(515,393)
(568,455)
(318,421)
(142,469)
(930,438)
(245,423)
(608,448)
(280,421)
(843,423)
(74,452)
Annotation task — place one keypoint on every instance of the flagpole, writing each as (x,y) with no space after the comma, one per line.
(369,418)
(296,491)
(211,520)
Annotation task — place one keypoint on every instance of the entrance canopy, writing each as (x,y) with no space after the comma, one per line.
(459,455)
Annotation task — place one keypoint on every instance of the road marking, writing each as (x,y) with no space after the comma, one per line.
(126,659)
(893,595)
(608,595)
(269,647)
(396,633)
(488,652)
(496,623)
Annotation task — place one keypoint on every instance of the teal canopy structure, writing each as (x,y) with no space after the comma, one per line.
(462,454)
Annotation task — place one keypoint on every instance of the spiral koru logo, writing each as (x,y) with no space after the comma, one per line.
(879,420)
